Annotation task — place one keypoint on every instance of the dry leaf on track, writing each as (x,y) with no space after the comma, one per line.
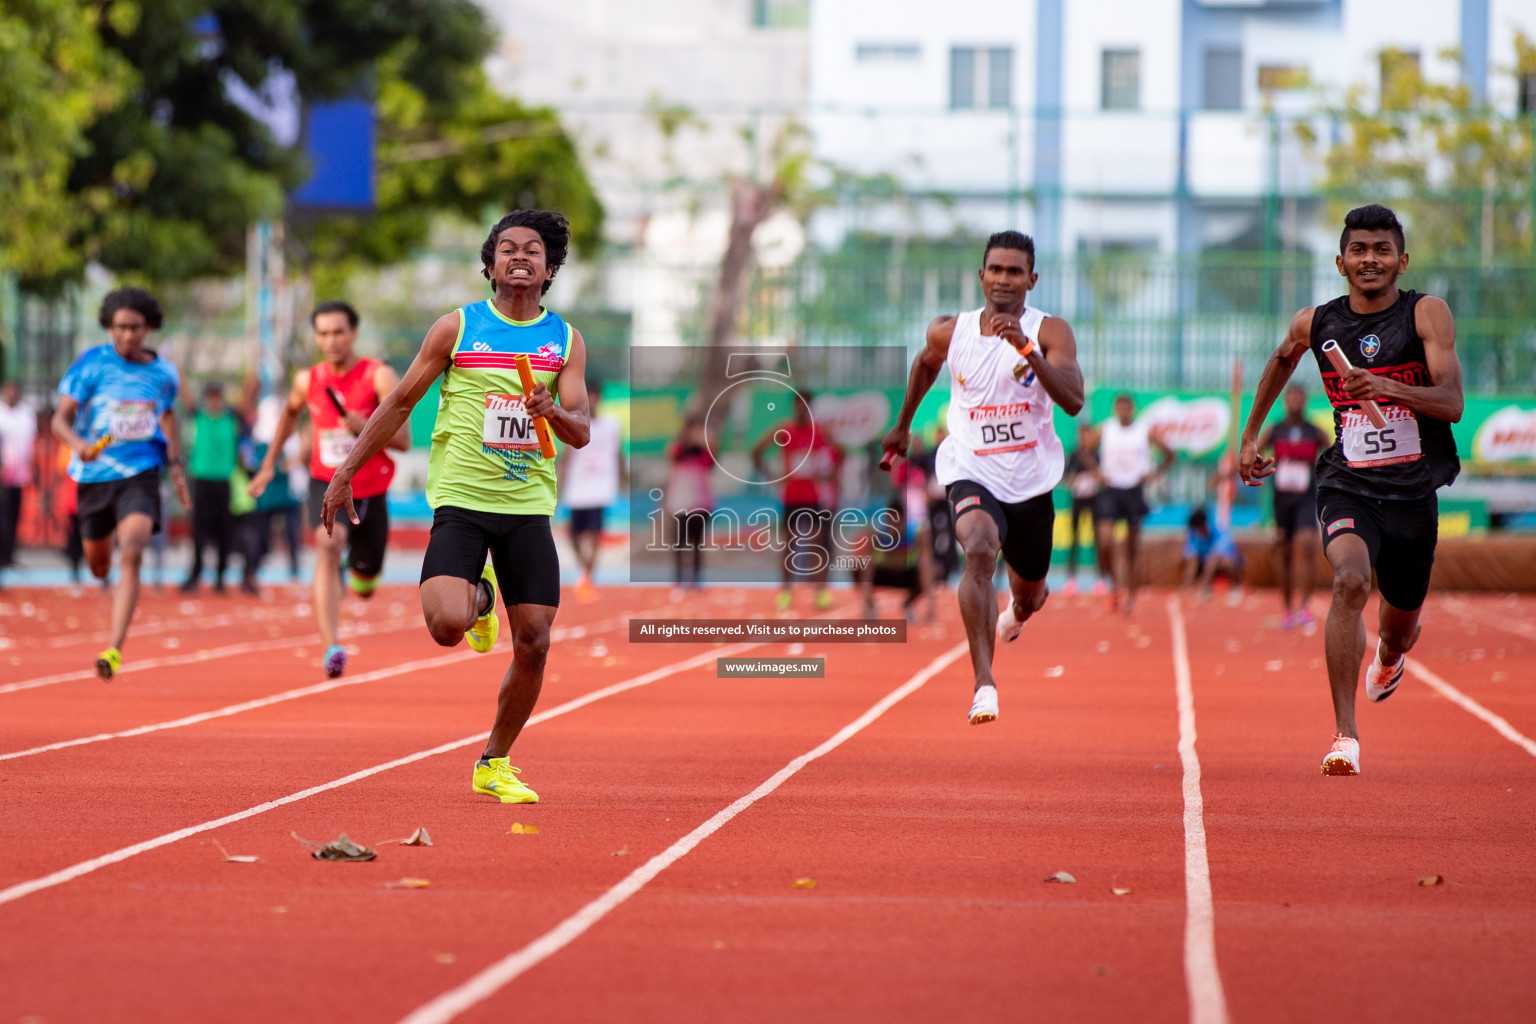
(1063,877)
(341,848)
(408,883)
(1432,880)
(622,851)
(519,829)
(243,858)
(804,883)
(1120,892)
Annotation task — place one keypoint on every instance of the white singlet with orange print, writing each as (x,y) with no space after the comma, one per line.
(1000,430)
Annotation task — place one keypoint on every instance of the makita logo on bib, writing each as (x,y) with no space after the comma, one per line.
(1369,346)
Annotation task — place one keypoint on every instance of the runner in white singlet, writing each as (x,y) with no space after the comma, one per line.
(1008,365)
(1121,454)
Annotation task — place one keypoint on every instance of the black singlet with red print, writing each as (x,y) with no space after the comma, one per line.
(1413,455)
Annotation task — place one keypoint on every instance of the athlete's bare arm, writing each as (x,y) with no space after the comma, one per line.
(1442,400)
(1054,359)
(925,370)
(394,412)
(172,431)
(1252,465)
(64,428)
(570,420)
(1167,453)
(293,408)
(384,381)
(1090,453)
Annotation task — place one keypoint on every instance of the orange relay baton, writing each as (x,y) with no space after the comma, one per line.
(1340,362)
(540,425)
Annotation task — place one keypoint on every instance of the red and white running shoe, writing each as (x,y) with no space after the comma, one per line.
(1343,757)
(984,707)
(1381,680)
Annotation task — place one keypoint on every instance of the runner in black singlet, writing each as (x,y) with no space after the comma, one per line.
(1375,485)
(1297,443)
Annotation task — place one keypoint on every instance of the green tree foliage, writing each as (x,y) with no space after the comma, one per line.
(1460,171)
(167,178)
(58,77)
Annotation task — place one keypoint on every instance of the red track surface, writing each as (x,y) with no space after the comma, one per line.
(928,839)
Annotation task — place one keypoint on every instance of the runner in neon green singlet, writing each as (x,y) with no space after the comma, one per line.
(485,453)
(487,482)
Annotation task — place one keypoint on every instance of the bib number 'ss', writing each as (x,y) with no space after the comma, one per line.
(997,429)
(508,427)
(335,446)
(133,420)
(1367,446)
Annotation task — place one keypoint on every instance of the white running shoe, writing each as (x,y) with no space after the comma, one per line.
(1008,625)
(1375,688)
(1343,757)
(984,707)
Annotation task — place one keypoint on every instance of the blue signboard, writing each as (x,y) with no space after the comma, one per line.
(338,139)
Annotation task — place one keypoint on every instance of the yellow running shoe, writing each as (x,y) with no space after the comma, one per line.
(108,662)
(482,635)
(500,780)
(783,601)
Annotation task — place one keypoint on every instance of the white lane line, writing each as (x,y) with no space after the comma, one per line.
(1472,707)
(211,653)
(574,632)
(347,632)
(85,867)
(485,984)
(1207,1000)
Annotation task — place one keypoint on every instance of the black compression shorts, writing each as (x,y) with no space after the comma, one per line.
(101,506)
(367,541)
(1115,503)
(1400,535)
(522,551)
(1295,513)
(1025,528)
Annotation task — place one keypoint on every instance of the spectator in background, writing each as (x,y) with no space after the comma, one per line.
(689,499)
(214,455)
(588,484)
(279,498)
(1297,443)
(18,429)
(807,462)
(1121,456)
(1083,485)
(941,527)
(1209,550)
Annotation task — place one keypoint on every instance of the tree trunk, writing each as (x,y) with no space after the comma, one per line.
(751,204)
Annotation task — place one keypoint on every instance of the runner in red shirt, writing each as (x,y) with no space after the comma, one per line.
(340,392)
(807,463)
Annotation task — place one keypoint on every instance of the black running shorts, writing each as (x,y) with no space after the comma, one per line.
(367,541)
(101,506)
(522,552)
(587,520)
(1115,503)
(1295,513)
(1400,536)
(1025,528)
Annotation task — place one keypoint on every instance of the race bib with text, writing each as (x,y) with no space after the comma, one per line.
(335,445)
(132,420)
(1366,445)
(508,427)
(1293,476)
(1002,428)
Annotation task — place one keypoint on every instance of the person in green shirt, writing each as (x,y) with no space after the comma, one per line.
(214,455)
(488,482)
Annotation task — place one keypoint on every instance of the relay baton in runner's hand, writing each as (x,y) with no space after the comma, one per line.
(525,374)
(1340,362)
(341,409)
(101,444)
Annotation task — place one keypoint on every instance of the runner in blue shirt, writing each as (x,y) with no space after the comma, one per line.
(117,414)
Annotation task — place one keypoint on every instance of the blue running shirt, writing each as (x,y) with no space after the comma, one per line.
(125,400)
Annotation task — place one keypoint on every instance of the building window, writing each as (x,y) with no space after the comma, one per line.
(1399,72)
(981,76)
(887,53)
(1122,80)
(1223,79)
(1275,78)
(781,13)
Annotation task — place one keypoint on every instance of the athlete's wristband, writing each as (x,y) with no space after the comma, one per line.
(1029,346)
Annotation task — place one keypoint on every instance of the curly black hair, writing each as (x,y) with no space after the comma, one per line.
(136,299)
(552,227)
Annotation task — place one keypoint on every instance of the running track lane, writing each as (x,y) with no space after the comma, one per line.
(1318,914)
(219,929)
(929,840)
